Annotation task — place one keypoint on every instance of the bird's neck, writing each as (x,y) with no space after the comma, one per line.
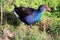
(37,15)
(40,11)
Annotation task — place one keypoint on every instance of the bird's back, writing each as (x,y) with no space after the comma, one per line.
(23,11)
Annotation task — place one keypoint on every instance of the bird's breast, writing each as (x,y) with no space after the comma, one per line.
(33,18)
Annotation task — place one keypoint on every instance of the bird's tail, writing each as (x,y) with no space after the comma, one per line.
(15,6)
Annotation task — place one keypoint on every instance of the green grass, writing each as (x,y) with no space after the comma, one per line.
(22,32)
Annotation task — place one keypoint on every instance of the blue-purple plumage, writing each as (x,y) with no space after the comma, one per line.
(29,15)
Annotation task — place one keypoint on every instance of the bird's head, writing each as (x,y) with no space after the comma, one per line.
(43,8)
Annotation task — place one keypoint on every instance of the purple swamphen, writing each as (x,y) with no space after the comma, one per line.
(29,15)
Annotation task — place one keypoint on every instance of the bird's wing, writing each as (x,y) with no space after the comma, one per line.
(22,11)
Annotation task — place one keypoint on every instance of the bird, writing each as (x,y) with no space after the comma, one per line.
(30,15)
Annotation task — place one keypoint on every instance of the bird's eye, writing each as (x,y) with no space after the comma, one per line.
(45,6)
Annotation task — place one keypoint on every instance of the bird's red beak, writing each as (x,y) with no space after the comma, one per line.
(47,8)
